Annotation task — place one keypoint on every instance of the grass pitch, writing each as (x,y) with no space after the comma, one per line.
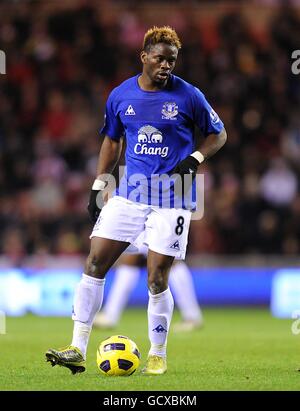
(237,349)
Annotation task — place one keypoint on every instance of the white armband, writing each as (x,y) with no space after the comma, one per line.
(198,156)
(99,185)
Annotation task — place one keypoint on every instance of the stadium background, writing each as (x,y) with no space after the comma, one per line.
(63,59)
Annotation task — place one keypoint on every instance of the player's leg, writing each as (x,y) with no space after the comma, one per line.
(119,224)
(126,277)
(89,294)
(183,290)
(166,232)
(160,310)
(87,302)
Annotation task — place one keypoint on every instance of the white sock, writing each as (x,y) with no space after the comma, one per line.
(182,286)
(125,280)
(160,310)
(87,302)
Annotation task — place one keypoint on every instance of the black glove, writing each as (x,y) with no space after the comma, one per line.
(187,166)
(92,207)
(95,205)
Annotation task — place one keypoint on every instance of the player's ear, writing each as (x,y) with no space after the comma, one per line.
(143,56)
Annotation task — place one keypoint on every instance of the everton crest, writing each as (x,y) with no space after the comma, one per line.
(169,111)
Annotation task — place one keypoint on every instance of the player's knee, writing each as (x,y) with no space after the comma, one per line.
(157,281)
(95,265)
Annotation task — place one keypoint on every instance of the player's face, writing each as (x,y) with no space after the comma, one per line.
(159,62)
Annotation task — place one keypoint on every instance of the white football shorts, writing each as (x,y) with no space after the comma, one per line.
(163,230)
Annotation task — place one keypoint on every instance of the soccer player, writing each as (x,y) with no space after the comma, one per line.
(126,277)
(156,113)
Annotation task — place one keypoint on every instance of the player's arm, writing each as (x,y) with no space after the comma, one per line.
(109,156)
(211,127)
(212,144)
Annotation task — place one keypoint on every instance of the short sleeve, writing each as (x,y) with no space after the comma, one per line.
(112,127)
(205,117)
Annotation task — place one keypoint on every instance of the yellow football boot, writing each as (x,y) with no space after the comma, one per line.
(155,365)
(69,357)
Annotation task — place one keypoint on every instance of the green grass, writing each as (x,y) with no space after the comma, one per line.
(238,349)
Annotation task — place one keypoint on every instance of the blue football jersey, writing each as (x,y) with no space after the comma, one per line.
(159,130)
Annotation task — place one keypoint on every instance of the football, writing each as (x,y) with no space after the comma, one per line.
(118,356)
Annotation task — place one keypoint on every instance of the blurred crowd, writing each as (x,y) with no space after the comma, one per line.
(63,62)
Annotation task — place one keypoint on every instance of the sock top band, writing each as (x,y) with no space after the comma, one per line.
(92,280)
(160,295)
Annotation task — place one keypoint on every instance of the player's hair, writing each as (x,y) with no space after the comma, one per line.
(163,34)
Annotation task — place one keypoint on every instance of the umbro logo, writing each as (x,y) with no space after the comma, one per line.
(159,329)
(175,246)
(130,111)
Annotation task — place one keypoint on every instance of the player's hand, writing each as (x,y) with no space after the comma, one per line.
(187,166)
(96,200)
